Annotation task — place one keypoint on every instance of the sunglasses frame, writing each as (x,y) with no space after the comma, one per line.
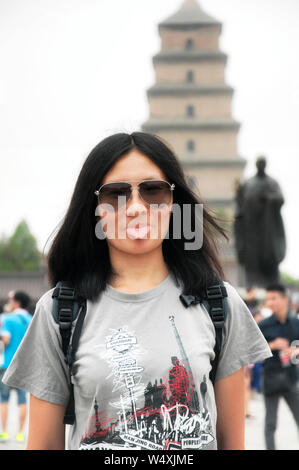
(171,187)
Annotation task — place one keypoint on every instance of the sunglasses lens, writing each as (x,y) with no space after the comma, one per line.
(115,194)
(118,194)
(155,192)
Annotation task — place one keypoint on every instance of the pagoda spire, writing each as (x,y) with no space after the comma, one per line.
(190,4)
(190,13)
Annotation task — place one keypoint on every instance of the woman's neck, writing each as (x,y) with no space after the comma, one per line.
(136,273)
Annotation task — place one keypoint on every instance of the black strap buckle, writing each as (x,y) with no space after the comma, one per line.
(188,300)
(65,318)
(217,315)
(214,292)
(66,293)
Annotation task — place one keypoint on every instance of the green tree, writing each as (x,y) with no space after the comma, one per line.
(19,252)
(289,280)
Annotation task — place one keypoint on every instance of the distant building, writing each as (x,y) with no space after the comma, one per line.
(190,107)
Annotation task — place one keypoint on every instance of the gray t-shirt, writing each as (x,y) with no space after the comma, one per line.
(141,375)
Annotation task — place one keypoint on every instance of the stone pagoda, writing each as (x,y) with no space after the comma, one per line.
(190,107)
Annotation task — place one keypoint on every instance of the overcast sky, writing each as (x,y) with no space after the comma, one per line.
(74,71)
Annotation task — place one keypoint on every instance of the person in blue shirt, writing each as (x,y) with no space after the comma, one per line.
(12,330)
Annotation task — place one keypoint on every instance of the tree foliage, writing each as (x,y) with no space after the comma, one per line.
(19,252)
(289,280)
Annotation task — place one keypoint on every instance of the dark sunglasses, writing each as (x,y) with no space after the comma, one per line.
(150,191)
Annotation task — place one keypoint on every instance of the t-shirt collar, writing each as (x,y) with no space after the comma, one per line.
(168,282)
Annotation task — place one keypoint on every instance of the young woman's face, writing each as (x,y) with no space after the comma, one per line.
(135,227)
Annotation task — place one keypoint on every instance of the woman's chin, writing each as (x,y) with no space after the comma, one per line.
(136,246)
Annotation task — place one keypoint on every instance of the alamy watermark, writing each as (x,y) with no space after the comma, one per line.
(186,223)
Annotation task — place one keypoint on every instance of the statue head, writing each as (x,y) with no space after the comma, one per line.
(261,164)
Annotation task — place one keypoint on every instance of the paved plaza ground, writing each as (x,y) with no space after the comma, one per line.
(286,434)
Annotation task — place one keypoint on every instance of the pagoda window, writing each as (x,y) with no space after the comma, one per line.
(190,111)
(189,44)
(190,145)
(190,76)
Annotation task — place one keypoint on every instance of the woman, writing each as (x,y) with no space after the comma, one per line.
(141,374)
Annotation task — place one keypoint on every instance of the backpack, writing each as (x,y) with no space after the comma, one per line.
(69,307)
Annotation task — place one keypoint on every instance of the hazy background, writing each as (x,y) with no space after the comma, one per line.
(74,71)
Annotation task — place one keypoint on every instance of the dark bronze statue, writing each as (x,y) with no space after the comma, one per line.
(259,231)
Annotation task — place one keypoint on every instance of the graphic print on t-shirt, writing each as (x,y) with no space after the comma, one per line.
(160,415)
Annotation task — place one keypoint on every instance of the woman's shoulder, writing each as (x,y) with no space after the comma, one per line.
(235,300)
(45,302)
(233,293)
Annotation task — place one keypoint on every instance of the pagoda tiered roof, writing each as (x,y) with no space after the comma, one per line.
(190,15)
(185,89)
(154,124)
(189,56)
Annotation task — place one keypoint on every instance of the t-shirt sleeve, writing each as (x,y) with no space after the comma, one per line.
(38,365)
(243,343)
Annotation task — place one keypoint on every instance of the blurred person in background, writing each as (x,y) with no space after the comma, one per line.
(295,301)
(12,330)
(251,300)
(4,309)
(280,374)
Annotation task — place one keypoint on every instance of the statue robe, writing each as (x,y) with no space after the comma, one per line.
(259,230)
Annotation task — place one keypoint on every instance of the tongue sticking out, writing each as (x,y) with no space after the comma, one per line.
(138,232)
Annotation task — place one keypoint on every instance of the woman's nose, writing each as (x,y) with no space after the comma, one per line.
(135,204)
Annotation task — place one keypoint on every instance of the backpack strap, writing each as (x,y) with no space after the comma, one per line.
(67,308)
(214,299)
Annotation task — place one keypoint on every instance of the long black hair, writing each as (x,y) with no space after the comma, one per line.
(79,257)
